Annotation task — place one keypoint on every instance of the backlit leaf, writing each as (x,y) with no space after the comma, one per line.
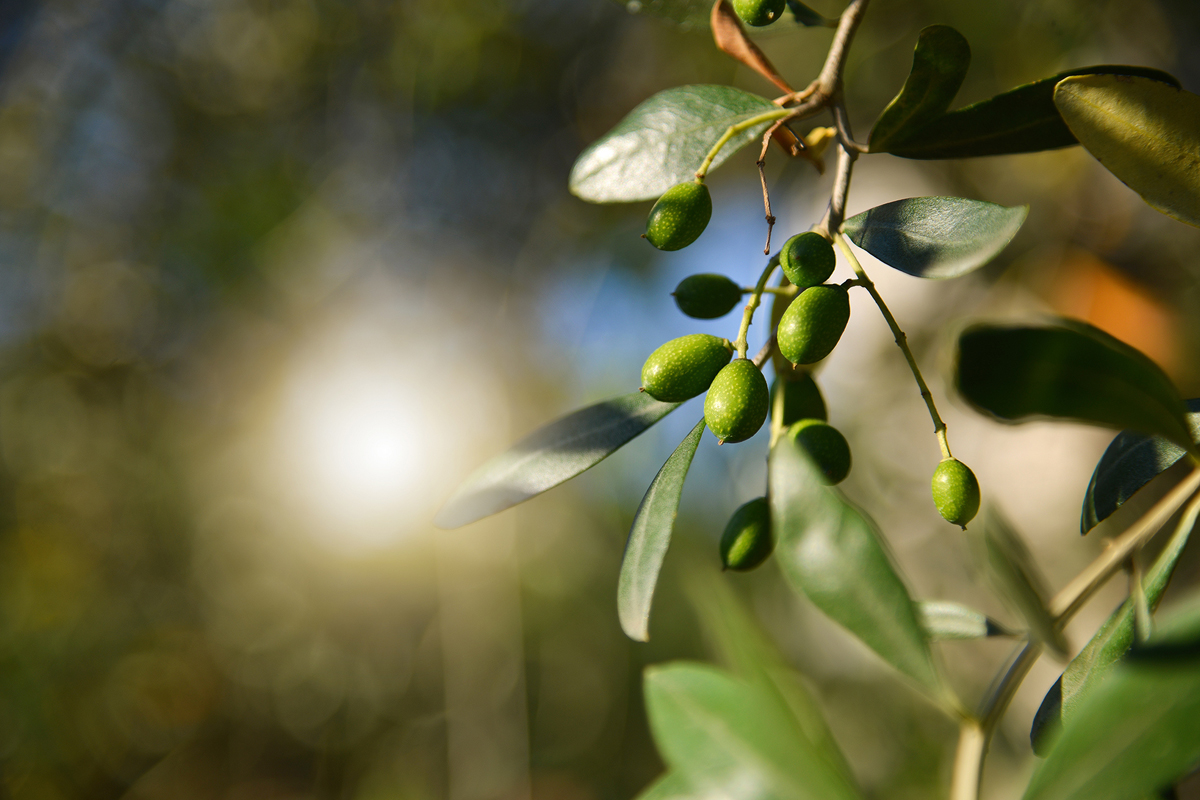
(1021,120)
(943,619)
(551,455)
(935,237)
(940,62)
(649,538)
(1070,371)
(663,141)
(1018,579)
(1145,132)
(1130,462)
(830,551)
(668,786)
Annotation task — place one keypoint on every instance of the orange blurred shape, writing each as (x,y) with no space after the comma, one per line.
(1090,289)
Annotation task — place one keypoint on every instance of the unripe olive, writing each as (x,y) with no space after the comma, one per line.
(736,404)
(747,539)
(707,296)
(813,323)
(807,259)
(825,446)
(684,367)
(679,216)
(759,12)
(955,492)
(795,396)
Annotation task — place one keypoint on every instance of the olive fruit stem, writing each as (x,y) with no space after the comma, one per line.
(734,130)
(939,426)
(740,343)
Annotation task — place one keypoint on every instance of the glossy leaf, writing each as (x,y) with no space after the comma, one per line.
(668,786)
(943,619)
(1021,120)
(831,552)
(743,645)
(649,538)
(1134,734)
(1069,371)
(1145,132)
(663,141)
(935,237)
(940,62)
(1131,461)
(1018,579)
(730,738)
(551,455)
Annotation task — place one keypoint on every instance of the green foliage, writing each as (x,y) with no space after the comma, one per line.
(1145,132)
(737,402)
(1070,371)
(551,455)
(1130,462)
(747,541)
(825,447)
(1019,581)
(946,620)
(813,324)
(649,538)
(679,216)
(707,296)
(935,237)
(663,141)
(682,368)
(955,492)
(807,259)
(940,62)
(832,552)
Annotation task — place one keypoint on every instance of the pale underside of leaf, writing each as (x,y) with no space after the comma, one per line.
(650,537)
(1145,132)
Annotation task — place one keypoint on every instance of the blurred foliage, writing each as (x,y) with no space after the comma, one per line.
(193,193)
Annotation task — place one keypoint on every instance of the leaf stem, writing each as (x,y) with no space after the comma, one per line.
(939,426)
(748,312)
(734,130)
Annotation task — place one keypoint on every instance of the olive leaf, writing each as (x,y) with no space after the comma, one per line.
(935,237)
(1069,370)
(649,538)
(551,455)
(1021,120)
(745,647)
(830,551)
(730,738)
(943,619)
(1145,132)
(663,141)
(668,786)
(1130,462)
(1135,733)
(1017,578)
(809,18)
(940,61)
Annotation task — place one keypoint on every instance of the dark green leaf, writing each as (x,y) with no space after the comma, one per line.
(935,237)
(1018,579)
(730,738)
(649,538)
(943,619)
(1130,462)
(551,455)
(1134,734)
(664,140)
(940,62)
(1070,371)
(668,786)
(807,17)
(1021,120)
(1047,722)
(831,552)
(745,647)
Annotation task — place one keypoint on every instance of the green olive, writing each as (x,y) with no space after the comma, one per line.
(795,396)
(955,492)
(736,404)
(807,259)
(813,323)
(707,296)
(679,216)
(825,445)
(684,367)
(747,539)
(759,12)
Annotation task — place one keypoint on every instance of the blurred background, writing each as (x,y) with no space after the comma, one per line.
(276,275)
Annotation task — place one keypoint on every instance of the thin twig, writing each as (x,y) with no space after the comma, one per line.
(762,176)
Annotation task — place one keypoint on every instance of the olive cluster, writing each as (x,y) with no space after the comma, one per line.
(738,399)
